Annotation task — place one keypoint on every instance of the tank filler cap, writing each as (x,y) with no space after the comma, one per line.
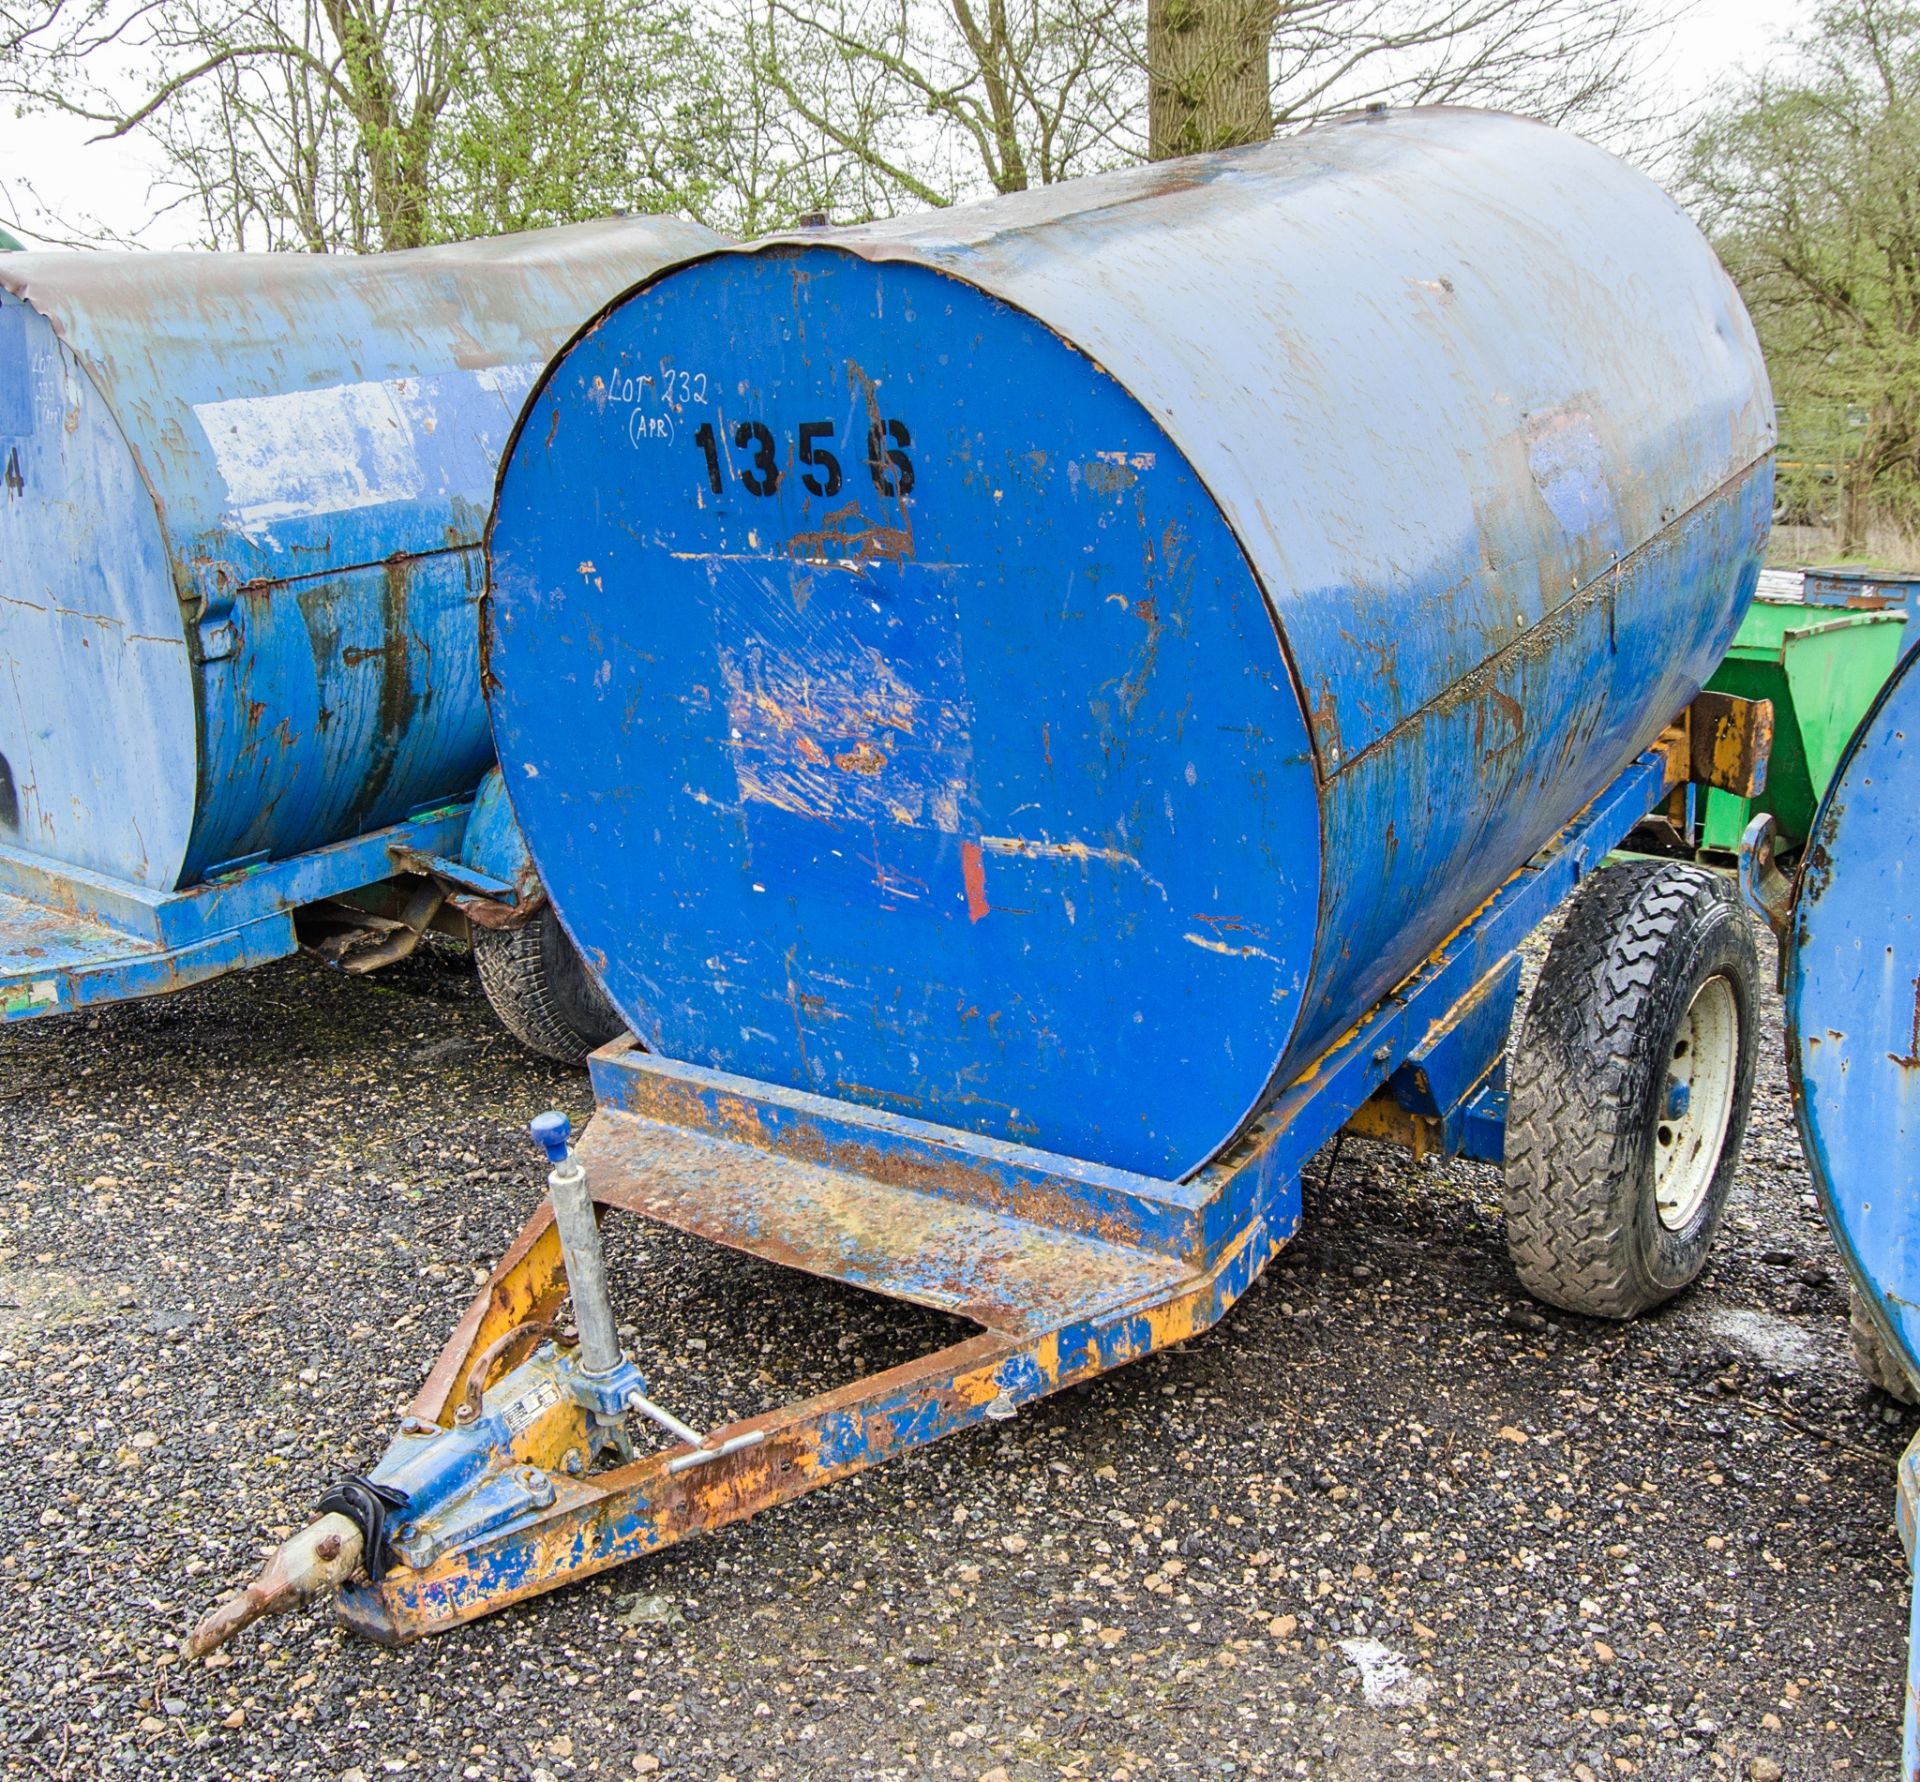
(551,1132)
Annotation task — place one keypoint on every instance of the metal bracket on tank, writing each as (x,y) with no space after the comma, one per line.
(1730,743)
(1066,1268)
(216,633)
(1764,888)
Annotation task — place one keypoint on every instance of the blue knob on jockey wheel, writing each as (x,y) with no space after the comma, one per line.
(551,1132)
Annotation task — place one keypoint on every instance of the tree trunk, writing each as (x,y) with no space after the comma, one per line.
(1859,474)
(395,152)
(1854,489)
(993,55)
(1208,79)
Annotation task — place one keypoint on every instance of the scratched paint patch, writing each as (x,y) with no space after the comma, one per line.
(850,732)
(510,382)
(1569,466)
(844,693)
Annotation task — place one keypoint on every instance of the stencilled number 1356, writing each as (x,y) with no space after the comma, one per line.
(887,460)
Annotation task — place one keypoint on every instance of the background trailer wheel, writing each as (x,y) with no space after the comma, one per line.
(1631,1080)
(541,989)
(1876,1358)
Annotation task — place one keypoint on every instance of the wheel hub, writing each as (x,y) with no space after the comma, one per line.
(1696,1104)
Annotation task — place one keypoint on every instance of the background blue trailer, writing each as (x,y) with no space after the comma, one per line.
(1867,591)
(241,499)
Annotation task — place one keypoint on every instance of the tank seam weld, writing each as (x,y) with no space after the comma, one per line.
(1457,692)
(339,569)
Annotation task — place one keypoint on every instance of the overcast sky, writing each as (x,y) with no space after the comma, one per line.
(106,184)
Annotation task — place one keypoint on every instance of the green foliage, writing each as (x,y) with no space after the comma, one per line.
(1809,181)
(569,109)
(331,125)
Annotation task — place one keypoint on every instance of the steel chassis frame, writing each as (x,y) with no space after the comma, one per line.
(71,939)
(1069,1268)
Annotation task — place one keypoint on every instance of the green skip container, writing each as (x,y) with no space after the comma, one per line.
(1821,665)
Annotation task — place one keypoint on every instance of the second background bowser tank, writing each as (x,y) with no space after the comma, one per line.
(240,526)
(1046,667)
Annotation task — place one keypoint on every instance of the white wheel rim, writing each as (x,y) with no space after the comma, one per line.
(1696,1104)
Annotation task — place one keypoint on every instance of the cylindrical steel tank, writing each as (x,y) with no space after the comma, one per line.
(1852,996)
(1047,667)
(242,505)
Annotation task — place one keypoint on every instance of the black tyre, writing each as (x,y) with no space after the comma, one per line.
(1629,1088)
(541,989)
(1876,1360)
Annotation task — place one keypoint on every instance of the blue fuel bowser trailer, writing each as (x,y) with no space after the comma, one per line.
(1849,928)
(241,499)
(1044,713)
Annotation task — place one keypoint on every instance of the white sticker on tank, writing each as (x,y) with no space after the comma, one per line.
(312,451)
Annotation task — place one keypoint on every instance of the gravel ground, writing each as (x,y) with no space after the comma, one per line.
(1387,1516)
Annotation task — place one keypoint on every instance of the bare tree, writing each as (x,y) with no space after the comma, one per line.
(934,100)
(361,124)
(1564,61)
(384,123)
(1224,72)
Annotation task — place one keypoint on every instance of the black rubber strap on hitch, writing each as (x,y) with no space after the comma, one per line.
(367,1506)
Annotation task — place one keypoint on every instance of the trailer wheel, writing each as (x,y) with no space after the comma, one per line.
(541,989)
(1630,1084)
(1876,1360)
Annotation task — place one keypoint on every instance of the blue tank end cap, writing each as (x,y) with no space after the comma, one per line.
(551,1132)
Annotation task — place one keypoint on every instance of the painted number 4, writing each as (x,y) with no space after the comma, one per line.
(887,460)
